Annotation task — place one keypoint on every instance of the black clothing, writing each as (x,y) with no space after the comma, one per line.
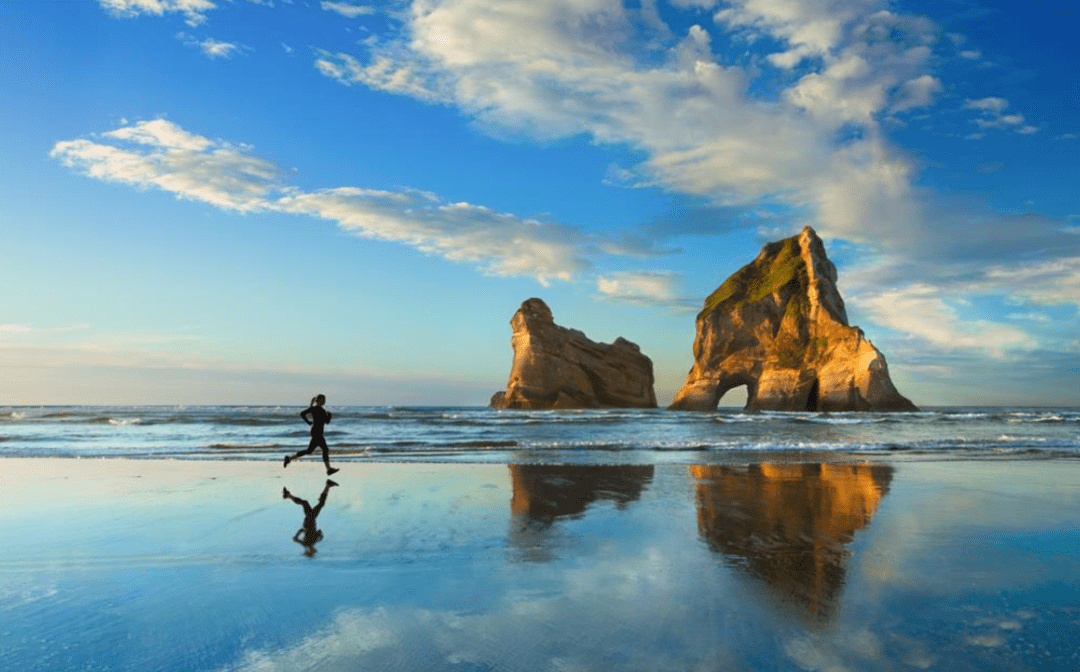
(319,417)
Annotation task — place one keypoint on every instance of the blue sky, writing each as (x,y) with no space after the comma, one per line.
(212,201)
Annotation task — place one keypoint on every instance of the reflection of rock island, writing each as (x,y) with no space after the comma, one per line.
(544,493)
(787,524)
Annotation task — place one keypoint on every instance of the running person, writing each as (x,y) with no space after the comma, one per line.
(316,416)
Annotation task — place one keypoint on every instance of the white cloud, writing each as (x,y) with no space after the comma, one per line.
(1052,282)
(971,54)
(1001,121)
(1030,317)
(920,311)
(993,116)
(811,29)
(815,148)
(647,288)
(992,104)
(500,243)
(1004,264)
(579,67)
(194,11)
(210,47)
(918,92)
(159,154)
(218,49)
(384,73)
(345,9)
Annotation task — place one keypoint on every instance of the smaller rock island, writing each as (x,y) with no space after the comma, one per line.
(779,327)
(560,368)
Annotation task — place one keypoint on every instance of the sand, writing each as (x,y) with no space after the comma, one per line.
(201,565)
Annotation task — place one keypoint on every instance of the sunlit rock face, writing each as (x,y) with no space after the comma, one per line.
(779,327)
(788,524)
(560,368)
(544,493)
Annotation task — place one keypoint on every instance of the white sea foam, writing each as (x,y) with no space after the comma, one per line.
(487,435)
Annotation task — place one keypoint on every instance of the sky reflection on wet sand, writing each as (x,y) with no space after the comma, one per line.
(115,564)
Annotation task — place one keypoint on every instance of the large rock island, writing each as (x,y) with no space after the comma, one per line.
(560,368)
(779,327)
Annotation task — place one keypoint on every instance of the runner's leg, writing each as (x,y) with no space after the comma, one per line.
(325,452)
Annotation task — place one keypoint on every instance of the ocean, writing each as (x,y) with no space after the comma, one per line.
(588,437)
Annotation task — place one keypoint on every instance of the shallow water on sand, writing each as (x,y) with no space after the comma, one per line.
(791,565)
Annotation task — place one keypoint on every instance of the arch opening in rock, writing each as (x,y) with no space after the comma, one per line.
(813,397)
(733,397)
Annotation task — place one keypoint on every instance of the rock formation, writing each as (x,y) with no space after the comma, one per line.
(556,367)
(779,327)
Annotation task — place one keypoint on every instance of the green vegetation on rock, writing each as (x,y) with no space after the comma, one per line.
(781,263)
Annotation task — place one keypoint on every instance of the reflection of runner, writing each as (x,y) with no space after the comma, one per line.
(316,416)
(311,535)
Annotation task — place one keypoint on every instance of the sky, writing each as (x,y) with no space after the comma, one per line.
(249,202)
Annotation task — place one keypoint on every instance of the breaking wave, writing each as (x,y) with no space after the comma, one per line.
(485,435)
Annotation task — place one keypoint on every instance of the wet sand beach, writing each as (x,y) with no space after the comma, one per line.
(115,564)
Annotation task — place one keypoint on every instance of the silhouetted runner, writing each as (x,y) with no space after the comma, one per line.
(311,534)
(316,416)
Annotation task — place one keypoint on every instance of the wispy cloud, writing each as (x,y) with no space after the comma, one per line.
(194,11)
(920,312)
(212,48)
(648,288)
(814,149)
(993,115)
(499,243)
(21,329)
(161,155)
(692,117)
(917,92)
(1048,282)
(346,9)
(798,131)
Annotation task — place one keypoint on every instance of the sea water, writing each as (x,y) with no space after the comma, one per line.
(473,434)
